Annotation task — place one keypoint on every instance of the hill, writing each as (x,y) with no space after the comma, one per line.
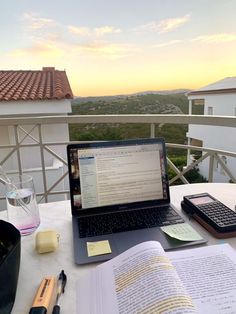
(131,104)
(150,103)
(164,92)
(109,98)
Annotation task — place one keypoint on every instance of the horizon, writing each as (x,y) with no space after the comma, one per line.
(138,93)
(109,48)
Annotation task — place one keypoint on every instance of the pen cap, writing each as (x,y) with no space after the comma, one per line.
(56,309)
(38,310)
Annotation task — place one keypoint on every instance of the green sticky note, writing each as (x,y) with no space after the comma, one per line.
(182,232)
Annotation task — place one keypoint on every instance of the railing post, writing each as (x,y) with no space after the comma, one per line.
(18,149)
(211,166)
(190,109)
(190,106)
(43,163)
(188,151)
(152,130)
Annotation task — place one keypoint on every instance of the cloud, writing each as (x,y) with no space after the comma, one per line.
(100,31)
(103,48)
(81,31)
(35,22)
(168,43)
(49,38)
(164,26)
(171,24)
(97,32)
(215,38)
(50,49)
(39,49)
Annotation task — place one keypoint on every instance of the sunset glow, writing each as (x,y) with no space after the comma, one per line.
(110,47)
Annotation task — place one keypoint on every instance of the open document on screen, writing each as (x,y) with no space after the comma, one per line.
(117,175)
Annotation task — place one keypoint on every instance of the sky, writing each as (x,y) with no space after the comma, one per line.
(110,47)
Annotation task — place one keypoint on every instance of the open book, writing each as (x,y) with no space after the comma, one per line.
(147,280)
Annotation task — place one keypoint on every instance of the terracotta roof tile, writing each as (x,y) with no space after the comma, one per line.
(34,85)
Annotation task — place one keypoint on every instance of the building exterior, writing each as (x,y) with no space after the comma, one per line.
(218,98)
(45,92)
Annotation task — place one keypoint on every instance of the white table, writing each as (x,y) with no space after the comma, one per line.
(58,216)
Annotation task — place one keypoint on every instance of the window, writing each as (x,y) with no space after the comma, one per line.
(210,111)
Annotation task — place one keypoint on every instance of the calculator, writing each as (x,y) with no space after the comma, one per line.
(211,211)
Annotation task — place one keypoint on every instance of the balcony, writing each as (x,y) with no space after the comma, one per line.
(52,183)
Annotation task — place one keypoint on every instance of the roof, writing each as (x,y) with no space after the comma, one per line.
(226,85)
(45,84)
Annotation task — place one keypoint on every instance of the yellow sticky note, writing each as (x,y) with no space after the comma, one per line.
(182,232)
(98,248)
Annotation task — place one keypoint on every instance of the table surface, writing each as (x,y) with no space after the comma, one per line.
(34,267)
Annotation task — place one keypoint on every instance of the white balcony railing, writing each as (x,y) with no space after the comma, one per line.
(20,124)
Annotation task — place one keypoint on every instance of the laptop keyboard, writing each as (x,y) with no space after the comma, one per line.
(91,226)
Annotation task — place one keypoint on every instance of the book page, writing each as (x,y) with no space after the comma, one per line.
(141,280)
(209,275)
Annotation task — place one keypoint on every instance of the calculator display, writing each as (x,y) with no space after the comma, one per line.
(202,200)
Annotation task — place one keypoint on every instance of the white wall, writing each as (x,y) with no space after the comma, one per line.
(218,174)
(223,104)
(50,133)
(216,137)
(31,158)
(35,107)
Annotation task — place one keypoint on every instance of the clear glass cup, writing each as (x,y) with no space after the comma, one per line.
(22,207)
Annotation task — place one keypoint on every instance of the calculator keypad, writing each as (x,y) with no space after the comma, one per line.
(219,216)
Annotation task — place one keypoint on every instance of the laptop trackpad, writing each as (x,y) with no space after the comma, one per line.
(120,242)
(126,240)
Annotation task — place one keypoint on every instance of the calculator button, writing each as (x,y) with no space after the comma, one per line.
(219,216)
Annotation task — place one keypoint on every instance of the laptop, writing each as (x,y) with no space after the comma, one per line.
(119,197)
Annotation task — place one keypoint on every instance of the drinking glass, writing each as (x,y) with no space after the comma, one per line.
(22,208)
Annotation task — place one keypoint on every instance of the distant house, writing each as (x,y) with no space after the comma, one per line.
(34,93)
(218,98)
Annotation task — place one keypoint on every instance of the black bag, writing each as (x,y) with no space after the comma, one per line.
(9,265)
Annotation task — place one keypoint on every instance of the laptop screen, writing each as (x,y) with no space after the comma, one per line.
(110,174)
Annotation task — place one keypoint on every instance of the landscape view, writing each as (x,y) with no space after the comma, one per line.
(159,102)
(92,224)
(130,57)
(129,104)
